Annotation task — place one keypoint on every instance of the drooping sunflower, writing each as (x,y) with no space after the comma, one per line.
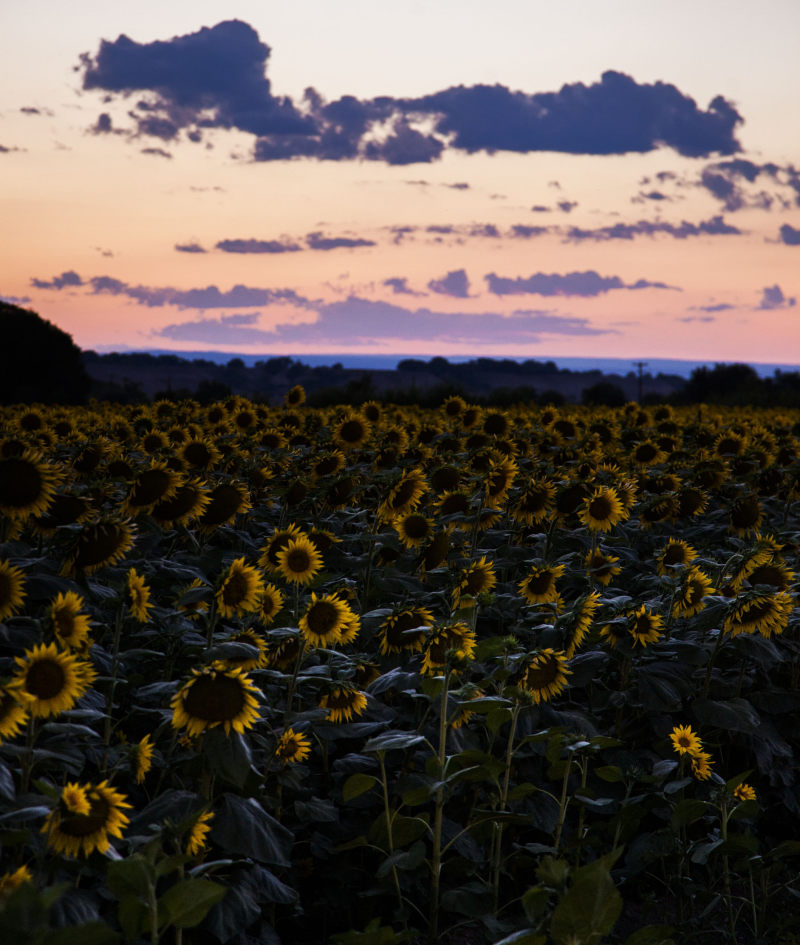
(458,502)
(691,501)
(435,553)
(11,881)
(499,479)
(189,501)
(200,829)
(72,833)
(476,579)
(27,485)
(12,589)
(324,620)
(648,453)
(14,708)
(744,792)
(771,574)
(226,501)
(745,515)
(200,453)
(351,431)
(405,630)
(292,747)
(644,626)
(215,695)
(240,590)
(54,679)
(602,510)
(70,626)
(539,587)
(701,763)
(193,599)
(685,741)
(676,553)
(454,639)
(535,504)
(151,486)
(100,543)
(342,703)
(300,561)
(544,675)
(328,464)
(404,496)
(251,638)
(454,406)
(142,758)
(690,599)
(280,539)
(138,596)
(63,510)
(413,529)
(602,567)
(765,613)
(295,396)
(271,604)
(569,498)
(283,652)
(578,622)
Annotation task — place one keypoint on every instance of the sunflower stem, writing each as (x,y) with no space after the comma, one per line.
(27,758)
(710,667)
(726,876)
(112,685)
(436,855)
(388,818)
(293,681)
(562,803)
(498,827)
(212,623)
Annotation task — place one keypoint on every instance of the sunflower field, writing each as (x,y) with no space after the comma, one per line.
(398,675)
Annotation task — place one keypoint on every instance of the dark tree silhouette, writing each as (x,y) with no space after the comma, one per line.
(38,361)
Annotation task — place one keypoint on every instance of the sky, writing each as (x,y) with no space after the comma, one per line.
(587,178)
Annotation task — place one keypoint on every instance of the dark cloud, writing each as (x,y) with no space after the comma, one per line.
(399,233)
(357,321)
(583,284)
(725,181)
(64,281)
(257,246)
(718,307)
(318,241)
(16,299)
(540,208)
(455,283)
(443,229)
(567,205)
(651,195)
(697,318)
(399,285)
(525,232)
(459,185)
(33,110)
(790,235)
(488,230)
(772,297)
(189,248)
(157,152)
(5,150)
(215,78)
(716,226)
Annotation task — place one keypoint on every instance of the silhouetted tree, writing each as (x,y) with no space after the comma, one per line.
(39,362)
(604,394)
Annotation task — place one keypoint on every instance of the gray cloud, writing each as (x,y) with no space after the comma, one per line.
(64,281)
(318,241)
(716,226)
(189,248)
(399,285)
(156,152)
(772,297)
(455,284)
(790,235)
(718,307)
(257,246)
(584,284)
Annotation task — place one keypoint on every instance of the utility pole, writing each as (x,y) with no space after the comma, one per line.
(640,365)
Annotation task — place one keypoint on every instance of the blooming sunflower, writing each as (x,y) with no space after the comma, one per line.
(535,504)
(100,543)
(435,553)
(544,675)
(138,596)
(745,515)
(476,579)
(744,792)
(677,553)
(701,765)
(295,396)
(240,590)
(615,632)
(142,758)
(539,587)
(324,620)
(150,487)
(189,501)
(342,703)
(200,453)
(454,637)
(454,406)
(226,501)
(352,626)
(196,838)
(292,747)
(14,703)
(689,600)
(70,626)
(328,464)
(577,624)
(12,589)
(251,638)
(215,695)
(282,653)
(644,626)
(602,510)
(27,485)
(271,603)
(55,680)
(351,431)
(70,832)
(685,741)
(499,480)
(404,496)
(300,561)
(405,630)
(11,881)
(280,539)
(601,567)
(413,529)
(765,613)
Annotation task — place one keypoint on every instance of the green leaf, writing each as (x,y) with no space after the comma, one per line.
(610,773)
(688,811)
(589,909)
(186,904)
(357,784)
(132,915)
(389,740)
(243,827)
(133,876)
(523,937)
(734,715)
(88,933)
(652,935)
(228,755)
(317,810)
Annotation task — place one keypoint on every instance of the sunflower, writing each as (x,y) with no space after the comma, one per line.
(151,486)
(70,626)
(138,596)
(454,638)
(271,604)
(569,499)
(454,406)
(685,741)
(539,587)
(644,626)
(648,453)
(154,441)
(193,599)
(240,589)
(11,881)
(299,561)
(404,496)
(27,485)
(676,553)
(615,632)
(478,578)
(55,680)
(351,431)
(342,703)
(405,630)
(189,501)
(324,620)
(535,504)
(295,396)
(464,713)
(544,675)
(282,653)
(196,838)
(765,613)
(499,479)
(602,510)
(457,502)
(100,543)
(70,832)
(744,792)
(351,628)
(200,453)
(774,574)
(745,515)
(279,540)
(14,708)
(226,501)
(12,589)
(251,638)
(435,553)
(689,600)
(365,673)
(215,695)
(142,758)
(577,624)
(601,567)
(413,529)
(63,510)
(691,501)
(328,464)
(445,479)
(292,747)
(701,765)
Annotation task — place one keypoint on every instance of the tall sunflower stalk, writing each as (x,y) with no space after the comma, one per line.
(436,854)
(112,684)
(497,837)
